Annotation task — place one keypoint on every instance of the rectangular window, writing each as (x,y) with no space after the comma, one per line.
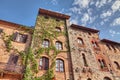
(20,37)
(1,30)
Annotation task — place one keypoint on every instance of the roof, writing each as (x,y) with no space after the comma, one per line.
(54,14)
(84,28)
(110,41)
(14,25)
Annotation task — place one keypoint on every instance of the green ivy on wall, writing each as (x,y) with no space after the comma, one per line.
(45,29)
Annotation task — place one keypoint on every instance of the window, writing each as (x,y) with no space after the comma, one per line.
(58,45)
(13,59)
(106,78)
(59,65)
(58,20)
(84,60)
(89,33)
(108,46)
(94,44)
(58,29)
(102,63)
(1,30)
(113,47)
(88,79)
(19,37)
(44,63)
(117,65)
(45,43)
(46,17)
(80,41)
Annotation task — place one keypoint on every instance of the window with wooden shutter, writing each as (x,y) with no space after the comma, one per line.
(18,37)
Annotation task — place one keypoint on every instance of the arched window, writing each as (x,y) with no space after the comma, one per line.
(59,65)
(45,43)
(80,41)
(108,46)
(94,44)
(84,60)
(102,63)
(44,63)
(89,79)
(117,65)
(106,78)
(58,45)
(58,29)
(113,47)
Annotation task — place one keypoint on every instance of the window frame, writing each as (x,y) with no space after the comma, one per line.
(42,63)
(80,41)
(58,29)
(19,37)
(59,45)
(58,67)
(45,43)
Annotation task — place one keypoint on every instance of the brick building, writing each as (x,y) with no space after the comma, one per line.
(56,50)
(14,39)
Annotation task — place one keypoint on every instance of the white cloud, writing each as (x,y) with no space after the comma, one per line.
(76,10)
(116,22)
(106,14)
(54,2)
(81,3)
(100,3)
(113,33)
(116,6)
(85,18)
(92,19)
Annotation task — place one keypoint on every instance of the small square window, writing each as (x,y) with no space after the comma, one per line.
(46,17)
(58,20)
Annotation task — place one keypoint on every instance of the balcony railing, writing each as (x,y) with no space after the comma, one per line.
(11,68)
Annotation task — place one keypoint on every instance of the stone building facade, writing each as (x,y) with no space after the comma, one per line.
(56,50)
(91,60)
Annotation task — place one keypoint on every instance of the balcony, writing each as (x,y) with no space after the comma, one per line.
(15,69)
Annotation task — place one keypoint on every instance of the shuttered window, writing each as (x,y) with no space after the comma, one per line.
(20,37)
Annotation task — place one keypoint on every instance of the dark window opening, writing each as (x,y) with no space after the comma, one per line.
(84,60)
(1,30)
(58,29)
(44,63)
(108,46)
(117,65)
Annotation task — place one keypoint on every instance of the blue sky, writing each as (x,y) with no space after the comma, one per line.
(103,15)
